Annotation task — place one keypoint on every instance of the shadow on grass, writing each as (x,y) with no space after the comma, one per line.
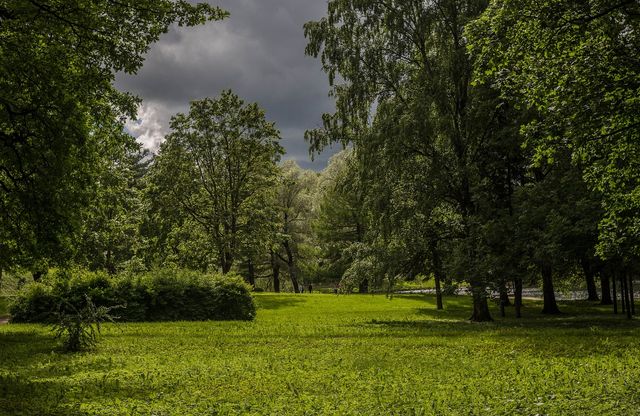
(272,302)
(18,345)
(578,314)
(21,356)
(571,311)
(557,322)
(584,329)
(36,378)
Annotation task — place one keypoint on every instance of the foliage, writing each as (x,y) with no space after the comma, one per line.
(59,110)
(575,66)
(218,167)
(35,303)
(110,237)
(402,81)
(182,295)
(161,295)
(79,327)
(4,307)
(327,354)
(340,213)
(295,207)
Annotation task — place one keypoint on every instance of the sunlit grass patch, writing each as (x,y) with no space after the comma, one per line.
(328,354)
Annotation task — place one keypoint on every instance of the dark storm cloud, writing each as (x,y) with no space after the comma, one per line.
(258,52)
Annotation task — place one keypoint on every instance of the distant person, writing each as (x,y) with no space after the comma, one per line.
(310,288)
(335,289)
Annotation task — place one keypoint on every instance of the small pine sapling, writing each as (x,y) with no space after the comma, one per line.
(79,327)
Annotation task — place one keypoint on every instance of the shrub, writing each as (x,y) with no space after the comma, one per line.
(133,295)
(186,295)
(76,289)
(232,297)
(79,328)
(163,295)
(33,304)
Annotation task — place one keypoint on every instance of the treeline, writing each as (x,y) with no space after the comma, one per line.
(495,142)
(76,190)
(488,144)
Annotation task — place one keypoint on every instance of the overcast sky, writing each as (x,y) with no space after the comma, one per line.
(258,52)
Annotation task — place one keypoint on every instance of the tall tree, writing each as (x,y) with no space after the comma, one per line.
(340,215)
(576,65)
(558,221)
(406,61)
(58,60)
(110,236)
(296,192)
(219,167)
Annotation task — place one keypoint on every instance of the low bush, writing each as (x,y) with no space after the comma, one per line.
(35,303)
(163,295)
(79,328)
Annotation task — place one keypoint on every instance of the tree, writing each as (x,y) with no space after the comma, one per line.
(405,87)
(218,166)
(58,60)
(110,236)
(295,206)
(575,64)
(340,215)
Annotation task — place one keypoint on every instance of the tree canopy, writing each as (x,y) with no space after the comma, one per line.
(59,109)
(219,167)
(576,66)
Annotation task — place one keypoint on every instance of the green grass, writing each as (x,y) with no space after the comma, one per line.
(343,355)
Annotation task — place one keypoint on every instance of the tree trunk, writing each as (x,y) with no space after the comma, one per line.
(251,273)
(437,275)
(627,300)
(480,306)
(291,262)
(550,305)
(294,281)
(111,268)
(504,296)
(605,287)
(227,262)
(504,299)
(592,291)
(363,287)
(615,294)
(275,268)
(623,294)
(631,295)
(518,297)
(439,305)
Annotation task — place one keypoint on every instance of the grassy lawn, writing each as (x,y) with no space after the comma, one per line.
(327,354)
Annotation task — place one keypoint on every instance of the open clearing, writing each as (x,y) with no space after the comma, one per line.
(344,355)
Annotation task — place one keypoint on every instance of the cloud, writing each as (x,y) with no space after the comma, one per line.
(258,52)
(148,128)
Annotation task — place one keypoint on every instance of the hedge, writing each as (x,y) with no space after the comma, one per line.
(162,295)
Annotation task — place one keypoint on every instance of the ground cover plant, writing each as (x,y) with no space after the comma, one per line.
(328,354)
